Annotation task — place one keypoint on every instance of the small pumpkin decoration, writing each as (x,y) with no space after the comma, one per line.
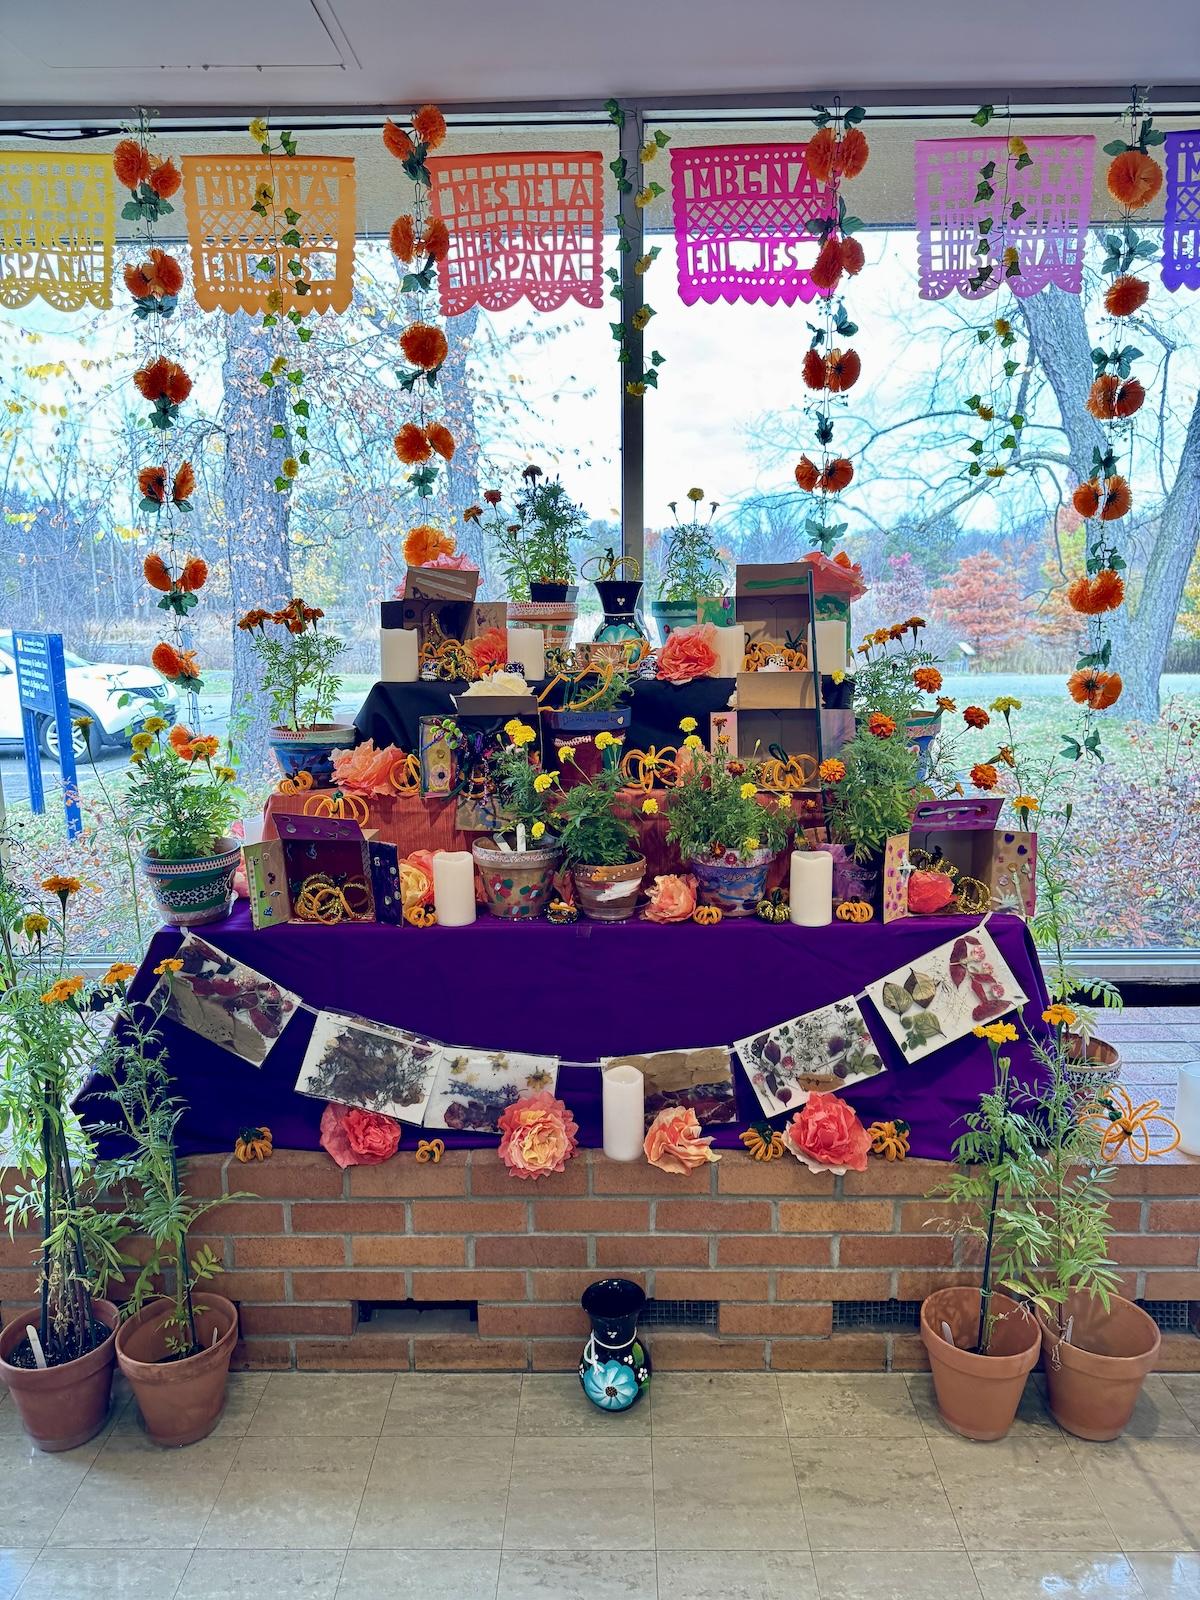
(773,907)
(420,916)
(612,1387)
(889,1140)
(764,1142)
(707,916)
(855,911)
(253,1144)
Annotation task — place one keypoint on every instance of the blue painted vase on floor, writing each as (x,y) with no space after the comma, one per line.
(615,1366)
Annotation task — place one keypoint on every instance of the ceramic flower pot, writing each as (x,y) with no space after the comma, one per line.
(311,749)
(615,1366)
(733,885)
(577,730)
(180,1400)
(555,618)
(921,730)
(190,893)
(64,1406)
(672,614)
(548,593)
(621,603)
(609,894)
(517,883)
(1095,1377)
(1091,1067)
(978,1395)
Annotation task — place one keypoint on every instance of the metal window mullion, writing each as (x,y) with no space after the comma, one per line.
(632,407)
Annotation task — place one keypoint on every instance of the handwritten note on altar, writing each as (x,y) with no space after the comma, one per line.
(526,225)
(741,222)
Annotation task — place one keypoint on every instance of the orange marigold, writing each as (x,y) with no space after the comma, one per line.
(945,703)
(156,573)
(184,486)
(1098,690)
(180,740)
(131,163)
(852,153)
(880,725)
(194,575)
(429,125)
(814,369)
(1102,397)
(1086,498)
(976,717)
(853,257)
(435,241)
(984,775)
(827,269)
(165,179)
(424,345)
(841,370)
(1125,295)
(1091,596)
(204,747)
(1118,500)
(1134,179)
(425,543)
(396,141)
(412,445)
(837,475)
(928,679)
(1131,397)
(152,483)
(808,474)
(167,660)
(402,238)
(819,153)
(441,439)
(831,770)
(135,282)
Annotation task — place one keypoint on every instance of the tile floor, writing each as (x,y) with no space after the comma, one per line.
(719,1487)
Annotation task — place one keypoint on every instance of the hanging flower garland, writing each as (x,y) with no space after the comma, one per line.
(1115,398)
(837,150)
(992,451)
(290,281)
(165,485)
(637,379)
(420,242)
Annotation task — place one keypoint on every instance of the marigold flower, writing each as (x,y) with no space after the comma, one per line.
(751,843)
(264,193)
(1004,703)
(226,774)
(1024,802)
(425,543)
(604,739)
(253,619)
(1125,295)
(984,775)
(62,990)
(1134,179)
(429,125)
(82,723)
(396,141)
(152,484)
(35,925)
(184,486)
(928,679)
(693,742)
(748,791)
(205,746)
(537,830)
(831,770)
(194,575)
(131,163)
(687,724)
(1058,1015)
(650,806)
(1097,690)
(542,782)
(402,238)
(435,241)
(976,717)
(492,496)
(996,1032)
(695,496)
(60,885)
(1007,755)
(168,965)
(424,345)
(522,735)
(411,444)
(155,725)
(141,741)
(944,703)
(881,725)
(441,439)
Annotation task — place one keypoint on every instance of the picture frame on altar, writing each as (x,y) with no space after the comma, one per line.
(699,1079)
(818,1052)
(473,1087)
(943,995)
(354,1062)
(223,1001)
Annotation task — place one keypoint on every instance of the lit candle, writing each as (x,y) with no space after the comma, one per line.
(624,1099)
(730,645)
(527,650)
(1187,1108)
(398,648)
(453,888)
(810,895)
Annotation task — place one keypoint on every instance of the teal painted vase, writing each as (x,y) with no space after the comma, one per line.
(614,1369)
(518,884)
(730,883)
(191,893)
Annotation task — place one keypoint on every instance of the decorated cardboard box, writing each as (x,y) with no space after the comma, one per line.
(321,852)
(778,706)
(964,833)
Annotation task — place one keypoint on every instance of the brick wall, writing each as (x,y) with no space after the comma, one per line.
(776,1246)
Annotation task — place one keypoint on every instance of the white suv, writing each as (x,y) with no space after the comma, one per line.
(95,689)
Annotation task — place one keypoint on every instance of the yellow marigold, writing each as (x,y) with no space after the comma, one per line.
(225,774)
(751,843)
(542,782)
(35,924)
(119,972)
(1058,1015)
(62,990)
(650,806)
(1004,704)
(749,790)
(155,725)
(538,830)
(604,739)
(945,703)
(511,726)
(82,723)
(62,887)
(259,131)
(290,467)
(264,194)
(1024,802)
(141,741)
(522,734)
(996,1032)
(693,742)
(831,770)
(687,725)
(169,964)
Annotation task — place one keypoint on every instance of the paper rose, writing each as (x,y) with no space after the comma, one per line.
(537,1135)
(827,1136)
(365,770)
(674,1141)
(356,1138)
(416,880)
(672,899)
(688,653)
(488,649)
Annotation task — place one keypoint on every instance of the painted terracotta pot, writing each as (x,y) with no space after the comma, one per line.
(64,1406)
(311,749)
(609,894)
(921,730)
(517,884)
(728,882)
(615,1366)
(191,893)
(1091,1067)
(672,614)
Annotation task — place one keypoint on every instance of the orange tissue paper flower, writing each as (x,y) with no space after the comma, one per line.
(184,486)
(435,241)
(674,1142)
(194,575)
(135,282)
(827,269)
(1134,179)
(1118,500)
(1098,690)
(1125,295)
(425,542)
(488,649)
(1130,398)
(424,345)
(1102,397)
(837,475)
(131,163)
(152,483)
(672,898)
(808,474)
(984,775)
(402,238)
(156,574)
(179,737)
(1091,596)
(852,153)
(537,1135)
(819,153)
(429,125)
(853,257)
(688,653)
(814,369)
(167,660)
(441,439)
(826,1134)
(365,770)
(165,179)
(163,379)
(396,141)
(1086,498)
(412,445)
(841,370)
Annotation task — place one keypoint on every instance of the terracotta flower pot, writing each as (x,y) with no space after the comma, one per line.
(180,1401)
(192,892)
(609,894)
(61,1407)
(517,884)
(734,885)
(311,749)
(978,1395)
(1094,1381)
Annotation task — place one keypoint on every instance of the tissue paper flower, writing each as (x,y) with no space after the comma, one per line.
(488,649)
(537,1135)
(826,1135)
(674,1141)
(416,880)
(356,1138)
(672,899)
(688,653)
(365,770)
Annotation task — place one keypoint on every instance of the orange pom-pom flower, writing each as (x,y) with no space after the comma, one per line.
(814,369)
(165,179)
(827,269)
(429,125)
(1134,179)
(412,445)
(1131,397)
(852,153)
(396,141)
(131,163)
(819,153)
(1097,690)
(441,439)
(402,239)
(808,474)
(1118,500)
(853,257)
(194,575)
(435,241)
(837,475)
(1102,397)
(156,573)
(424,345)
(842,370)
(1125,295)
(152,482)
(425,543)
(1086,498)
(184,486)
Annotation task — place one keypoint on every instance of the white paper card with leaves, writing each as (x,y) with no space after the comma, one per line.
(473,1087)
(822,1050)
(943,995)
(370,1065)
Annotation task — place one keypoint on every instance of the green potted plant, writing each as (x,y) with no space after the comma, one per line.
(870,790)
(727,839)
(599,844)
(56,1360)
(298,661)
(894,678)
(981,1343)
(174,1347)
(534,552)
(182,804)
(693,569)
(518,862)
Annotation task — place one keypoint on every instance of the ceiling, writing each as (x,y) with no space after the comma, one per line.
(80,55)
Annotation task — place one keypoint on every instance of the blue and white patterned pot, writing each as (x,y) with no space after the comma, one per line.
(190,893)
(734,885)
(311,749)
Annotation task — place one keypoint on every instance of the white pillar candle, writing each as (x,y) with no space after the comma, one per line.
(810,894)
(730,645)
(527,650)
(454,888)
(624,1097)
(1187,1108)
(398,651)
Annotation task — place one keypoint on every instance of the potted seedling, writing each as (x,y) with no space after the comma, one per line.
(598,842)
(693,570)
(727,839)
(534,553)
(298,660)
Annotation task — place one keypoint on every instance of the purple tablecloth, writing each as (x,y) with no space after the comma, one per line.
(580,992)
